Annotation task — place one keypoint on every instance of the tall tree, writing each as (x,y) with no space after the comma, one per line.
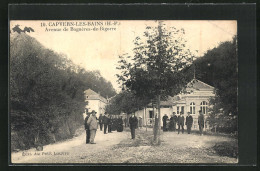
(154,69)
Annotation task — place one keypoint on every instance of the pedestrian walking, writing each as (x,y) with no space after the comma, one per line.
(165,117)
(93,125)
(100,120)
(201,122)
(105,122)
(87,128)
(181,123)
(133,125)
(189,122)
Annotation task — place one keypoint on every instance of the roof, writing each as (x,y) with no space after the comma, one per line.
(92,95)
(198,85)
(90,92)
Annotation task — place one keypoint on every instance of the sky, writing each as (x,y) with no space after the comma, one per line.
(93,48)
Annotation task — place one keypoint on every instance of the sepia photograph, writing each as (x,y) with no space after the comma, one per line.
(123,91)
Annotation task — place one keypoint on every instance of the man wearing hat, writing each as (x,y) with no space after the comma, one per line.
(105,122)
(201,122)
(181,123)
(133,121)
(87,127)
(93,125)
(189,121)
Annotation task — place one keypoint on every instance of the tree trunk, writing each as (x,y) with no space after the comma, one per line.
(157,125)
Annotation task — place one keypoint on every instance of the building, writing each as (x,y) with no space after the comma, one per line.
(95,102)
(193,98)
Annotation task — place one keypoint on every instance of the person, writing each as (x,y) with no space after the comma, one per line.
(133,125)
(114,123)
(120,126)
(100,120)
(87,128)
(110,121)
(171,123)
(140,122)
(125,121)
(105,121)
(165,117)
(93,124)
(176,120)
(201,122)
(181,123)
(189,122)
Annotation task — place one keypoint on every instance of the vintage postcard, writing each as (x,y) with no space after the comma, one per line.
(123,91)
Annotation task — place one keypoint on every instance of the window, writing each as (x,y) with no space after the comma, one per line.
(192,108)
(151,115)
(178,110)
(204,107)
(182,109)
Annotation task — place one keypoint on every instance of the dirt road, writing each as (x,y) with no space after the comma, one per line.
(118,147)
(70,151)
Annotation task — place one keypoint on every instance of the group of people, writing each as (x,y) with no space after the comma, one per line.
(109,122)
(179,121)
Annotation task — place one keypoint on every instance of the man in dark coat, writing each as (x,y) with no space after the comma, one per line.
(171,123)
(105,122)
(165,117)
(189,122)
(110,121)
(87,128)
(100,120)
(133,121)
(175,118)
(120,124)
(181,123)
(201,122)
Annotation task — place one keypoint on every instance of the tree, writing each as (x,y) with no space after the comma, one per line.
(125,102)
(219,68)
(154,69)
(46,92)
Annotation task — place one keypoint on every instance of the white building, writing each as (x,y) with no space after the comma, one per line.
(95,102)
(195,97)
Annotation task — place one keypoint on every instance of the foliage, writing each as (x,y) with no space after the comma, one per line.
(154,71)
(219,68)
(125,102)
(47,92)
(155,67)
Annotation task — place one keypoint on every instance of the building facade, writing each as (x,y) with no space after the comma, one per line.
(95,102)
(195,97)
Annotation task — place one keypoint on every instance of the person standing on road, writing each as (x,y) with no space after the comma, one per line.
(175,118)
(201,122)
(125,120)
(189,122)
(171,123)
(93,125)
(110,121)
(105,122)
(100,120)
(120,124)
(133,121)
(181,123)
(140,122)
(165,117)
(87,128)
